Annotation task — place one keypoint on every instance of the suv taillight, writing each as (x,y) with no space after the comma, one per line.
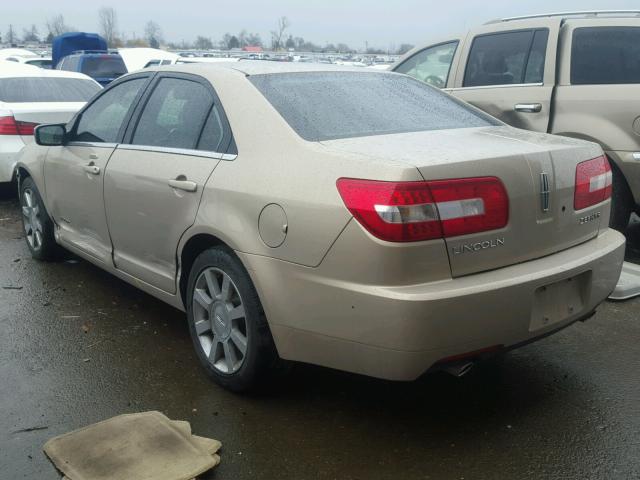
(593,183)
(415,211)
(9,126)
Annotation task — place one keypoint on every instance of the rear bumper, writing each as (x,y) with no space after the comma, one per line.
(399,332)
(10,146)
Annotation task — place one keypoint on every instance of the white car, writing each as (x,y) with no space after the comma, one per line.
(30,96)
(139,58)
(33,60)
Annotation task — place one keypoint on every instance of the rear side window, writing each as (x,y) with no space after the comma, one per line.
(431,65)
(174,115)
(605,55)
(103,66)
(330,105)
(507,58)
(46,89)
(212,133)
(102,120)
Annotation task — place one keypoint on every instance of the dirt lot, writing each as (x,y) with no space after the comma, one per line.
(78,346)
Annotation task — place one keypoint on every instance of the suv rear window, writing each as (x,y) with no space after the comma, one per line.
(46,89)
(605,55)
(329,105)
(104,66)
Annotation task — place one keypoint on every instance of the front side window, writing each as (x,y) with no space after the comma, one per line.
(102,120)
(330,105)
(174,115)
(605,55)
(506,58)
(431,65)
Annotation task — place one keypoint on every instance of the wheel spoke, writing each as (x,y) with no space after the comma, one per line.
(212,284)
(237,312)
(26,211)
(201,297)
(28,199)
(239,340)
(37,239)
(203,326)
(215,353)
(230,356)
(225,293)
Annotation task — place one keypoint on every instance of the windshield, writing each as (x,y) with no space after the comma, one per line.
(46,89)
(330,105)
(104,66)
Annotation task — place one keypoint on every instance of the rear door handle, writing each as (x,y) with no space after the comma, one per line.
(528,107)
(182,184)
(92,168)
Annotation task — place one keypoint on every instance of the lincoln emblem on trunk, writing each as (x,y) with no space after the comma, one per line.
(544,191)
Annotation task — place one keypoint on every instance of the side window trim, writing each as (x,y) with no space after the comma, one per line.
(227,138)
(524,72)
(125,123)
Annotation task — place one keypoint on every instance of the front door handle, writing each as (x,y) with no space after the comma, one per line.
(181,183)
(528,107)
(92,169)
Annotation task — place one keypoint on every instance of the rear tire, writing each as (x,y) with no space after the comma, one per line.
(622,203)
(37,225)
(227,323)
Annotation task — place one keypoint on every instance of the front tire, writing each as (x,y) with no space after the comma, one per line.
(227,323)
(37,225)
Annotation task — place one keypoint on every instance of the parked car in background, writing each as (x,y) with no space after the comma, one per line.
(138,58)
(30,96)
(573,74)
(103,67)
(345,217)
(35,60)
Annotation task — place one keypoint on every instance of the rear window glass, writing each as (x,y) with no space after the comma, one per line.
(605,55)
(330,105)
(43,89)
(104,66)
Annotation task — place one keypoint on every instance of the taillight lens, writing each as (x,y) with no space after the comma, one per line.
(593,183)
(9,126)
(415,211)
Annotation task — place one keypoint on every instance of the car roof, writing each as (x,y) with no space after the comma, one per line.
(260,67)
(15,69)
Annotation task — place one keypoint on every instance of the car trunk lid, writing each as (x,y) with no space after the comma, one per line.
(537,170)
(44,112)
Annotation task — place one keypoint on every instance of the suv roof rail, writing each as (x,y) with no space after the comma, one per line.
(102,52)
(583,13)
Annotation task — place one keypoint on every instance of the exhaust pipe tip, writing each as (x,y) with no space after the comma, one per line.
(458,369)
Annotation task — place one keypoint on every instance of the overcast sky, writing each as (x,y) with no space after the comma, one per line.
(380,23)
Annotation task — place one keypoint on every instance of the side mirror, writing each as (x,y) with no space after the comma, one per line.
(51,135)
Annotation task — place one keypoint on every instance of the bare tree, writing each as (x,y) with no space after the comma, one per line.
(203,43)
(108,24)
(56,26)
(31,34)
(11,36)
(153,34)
(277,35)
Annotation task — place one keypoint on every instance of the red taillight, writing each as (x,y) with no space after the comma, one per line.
(415,211)
(9,126)
(593,183)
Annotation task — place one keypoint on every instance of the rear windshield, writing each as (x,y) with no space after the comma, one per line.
(43,89)
(330,105)
(104,66)
(605,55)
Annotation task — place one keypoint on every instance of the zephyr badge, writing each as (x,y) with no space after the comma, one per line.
(544,191)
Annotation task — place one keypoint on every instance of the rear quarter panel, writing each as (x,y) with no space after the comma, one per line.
(274,165)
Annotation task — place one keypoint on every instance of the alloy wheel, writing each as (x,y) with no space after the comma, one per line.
(220,320)
(32,220)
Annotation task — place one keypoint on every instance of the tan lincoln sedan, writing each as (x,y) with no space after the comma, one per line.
(359,220)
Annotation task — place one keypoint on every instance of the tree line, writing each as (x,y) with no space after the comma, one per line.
(281,39)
